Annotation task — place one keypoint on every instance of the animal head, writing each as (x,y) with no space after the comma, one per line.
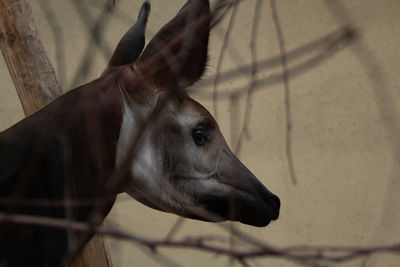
(181,162)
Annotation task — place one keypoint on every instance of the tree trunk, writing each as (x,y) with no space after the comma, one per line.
(36,84)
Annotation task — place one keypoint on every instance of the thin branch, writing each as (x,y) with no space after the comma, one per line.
(175,228)
(58,37)
(332,254)
(253,82)
(253,74)
(330,48)
(387,107)
(94,28)
(221,56)
(288,112)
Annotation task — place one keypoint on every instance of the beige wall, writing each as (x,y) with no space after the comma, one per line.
(347,192)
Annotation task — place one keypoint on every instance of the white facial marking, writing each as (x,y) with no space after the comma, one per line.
(133,117)
(191,169)
(125,135)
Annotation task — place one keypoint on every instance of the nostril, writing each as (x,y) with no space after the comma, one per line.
(276,201)
(272,203)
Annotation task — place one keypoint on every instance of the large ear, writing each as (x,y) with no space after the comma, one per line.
(184,6)
(131,44)
(177,54)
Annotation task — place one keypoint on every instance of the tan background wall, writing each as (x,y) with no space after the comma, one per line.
(343,151)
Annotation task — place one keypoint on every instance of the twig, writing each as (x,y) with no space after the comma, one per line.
(298,253)
(57,32)
(94,28)
(387,107)
(175,228)
(253,74)
(330,47)
(288,112)
(221,56)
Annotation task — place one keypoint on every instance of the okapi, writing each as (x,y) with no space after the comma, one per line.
(132,130)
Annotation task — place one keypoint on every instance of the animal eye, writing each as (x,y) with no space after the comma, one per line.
(199,136)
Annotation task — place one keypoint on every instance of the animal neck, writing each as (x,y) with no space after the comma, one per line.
(64,151)
(76,135)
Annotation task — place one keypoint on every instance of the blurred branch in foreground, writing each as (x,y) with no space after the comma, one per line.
(302,254)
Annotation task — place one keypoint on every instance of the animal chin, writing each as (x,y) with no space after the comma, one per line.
(257,209)
(247,211)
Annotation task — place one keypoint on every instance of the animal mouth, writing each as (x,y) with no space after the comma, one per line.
(249,211)
(245,200)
